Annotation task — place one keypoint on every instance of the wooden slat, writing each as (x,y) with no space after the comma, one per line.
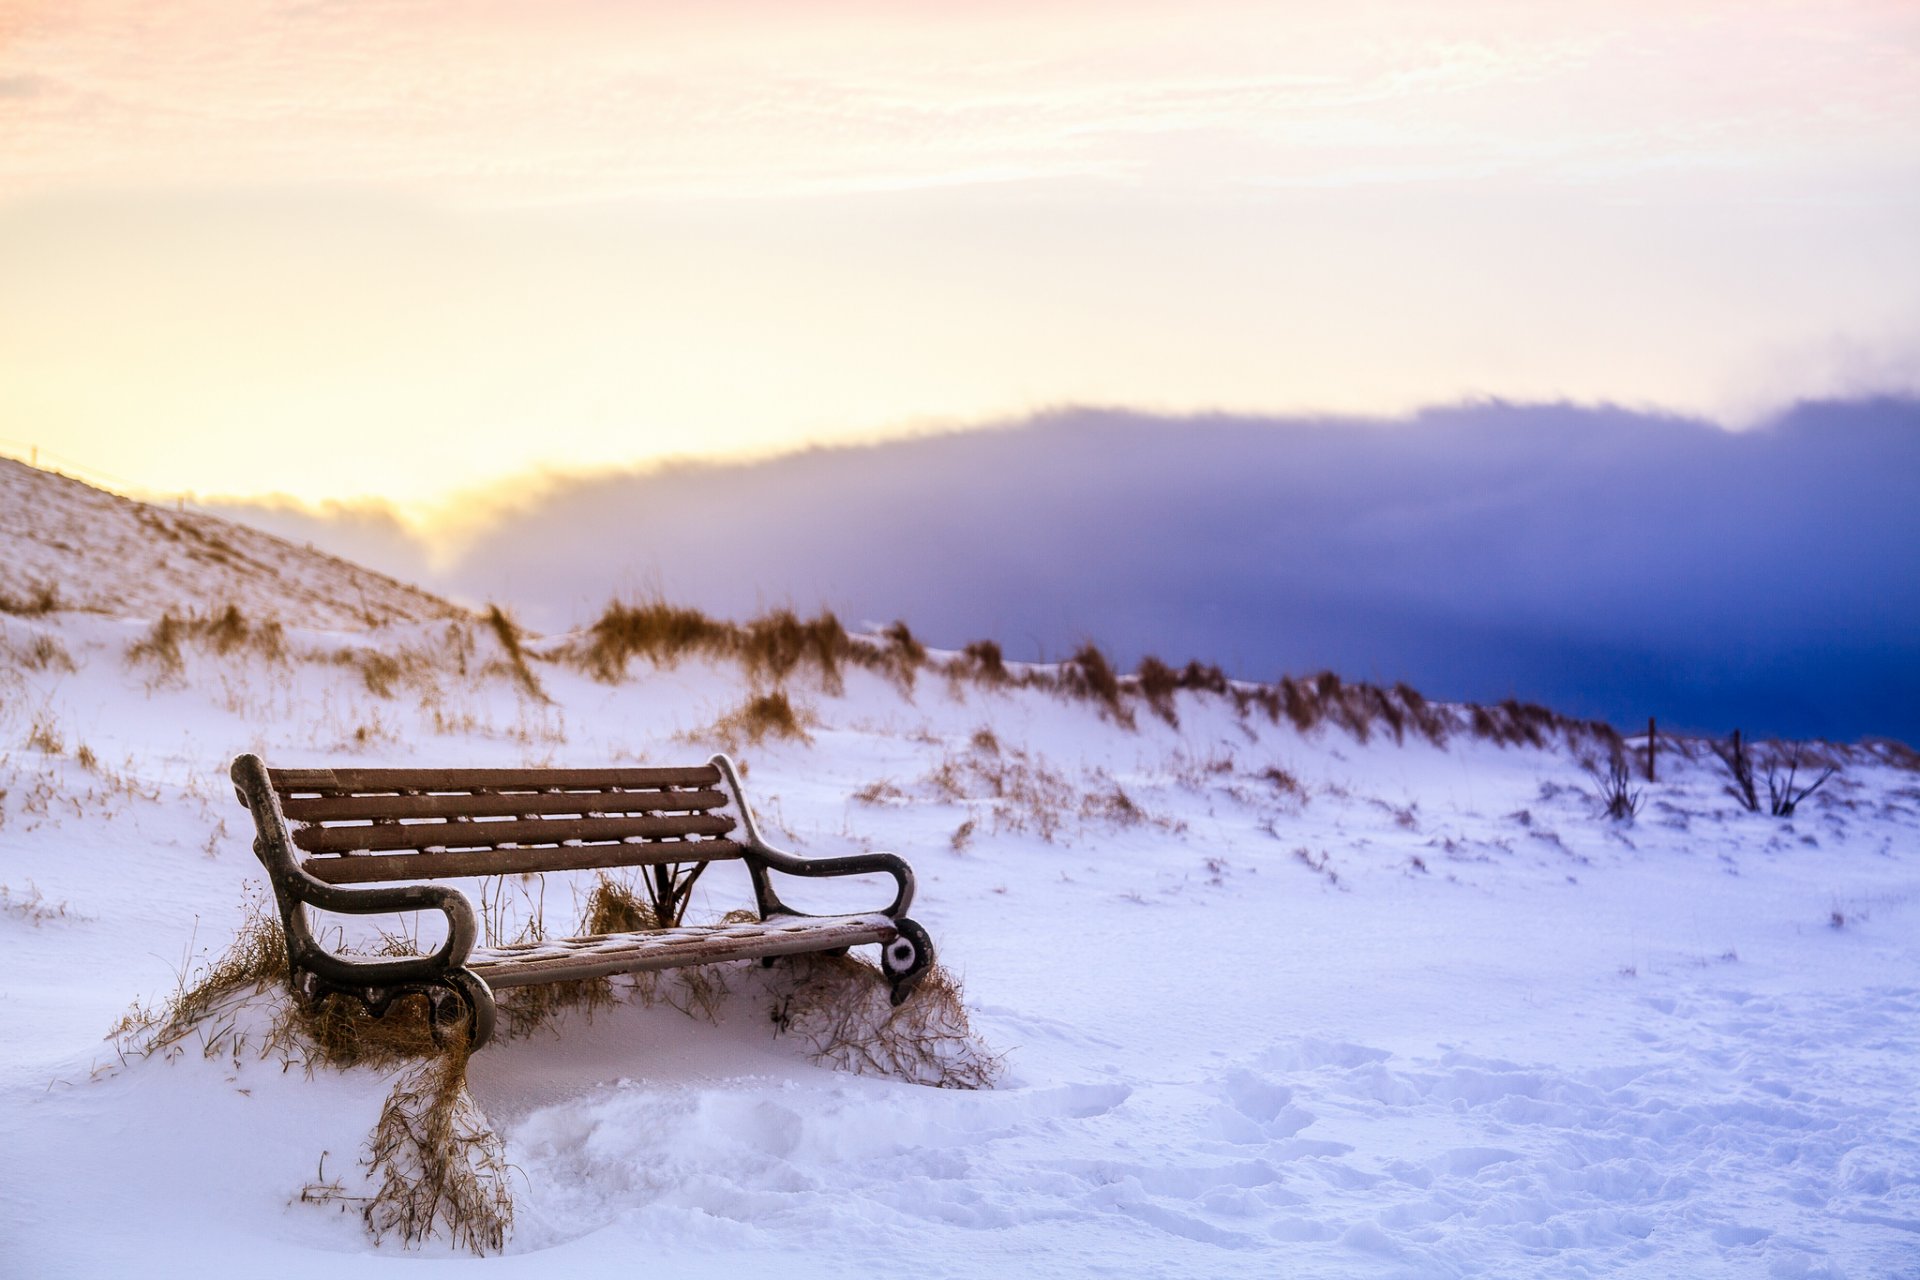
(377,867)
(528,831)
(519,966)
(348,781)
(526,804)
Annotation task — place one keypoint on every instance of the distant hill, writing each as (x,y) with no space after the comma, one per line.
(63,541)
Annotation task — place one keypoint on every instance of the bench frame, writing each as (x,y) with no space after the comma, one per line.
(455,992)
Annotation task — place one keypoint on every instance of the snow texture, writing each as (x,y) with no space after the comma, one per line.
(1427,1015)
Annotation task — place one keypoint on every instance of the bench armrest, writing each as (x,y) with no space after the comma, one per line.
(294,888)
(850,864)
(761,856)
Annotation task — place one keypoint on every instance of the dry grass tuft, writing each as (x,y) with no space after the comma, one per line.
(762,716)
(31,906)
(655,630)
(380,672)
(983,661)
(1158,682)
(838,1006)
(438,1161)
(771,647)
(44,735)
(255,959)
(225,632)
(1088,674)
(46,654)
(775,644)
(1285,784)
(515,657)
(613,907)
(41,599)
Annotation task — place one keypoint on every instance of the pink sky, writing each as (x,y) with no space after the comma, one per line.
(576,235)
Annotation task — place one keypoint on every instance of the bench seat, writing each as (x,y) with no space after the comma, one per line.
(562,959)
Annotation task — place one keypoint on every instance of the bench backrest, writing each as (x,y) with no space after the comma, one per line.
(362,825)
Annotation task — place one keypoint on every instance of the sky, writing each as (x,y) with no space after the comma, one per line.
(400,250)
(1605,562)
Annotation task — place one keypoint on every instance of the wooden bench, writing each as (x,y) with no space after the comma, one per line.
(398,827)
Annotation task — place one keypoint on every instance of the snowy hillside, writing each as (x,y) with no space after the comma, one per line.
(1353,999)
(98,551)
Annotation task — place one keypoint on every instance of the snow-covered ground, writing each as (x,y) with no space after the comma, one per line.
(1427,1015)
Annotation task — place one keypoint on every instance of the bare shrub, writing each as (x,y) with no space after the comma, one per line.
(1612,788)
(1735,755)
(1783,796)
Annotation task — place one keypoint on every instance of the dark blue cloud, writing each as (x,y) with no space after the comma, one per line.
(1603,561)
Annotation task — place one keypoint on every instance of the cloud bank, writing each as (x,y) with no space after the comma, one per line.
(1604,561)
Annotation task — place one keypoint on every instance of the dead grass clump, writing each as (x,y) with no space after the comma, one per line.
(160,647)
(380,672)
(1113,805)
(661,903)
(1158,682)
(1300,703)
(515,656)
(763,716)
(983,660)
(44,735)
(255,959)
(655,630)
(1088,675)
(341,1032)
(613,907)
(904,655)
(229,631)
(438,1161)
(47,654)
(226,632)
(525,1010)
(1424,716)
(1284,783)
(775,644)
(31,906)
(41,599)
(838,1006)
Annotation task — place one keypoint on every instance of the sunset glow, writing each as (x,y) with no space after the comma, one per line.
(395,250)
